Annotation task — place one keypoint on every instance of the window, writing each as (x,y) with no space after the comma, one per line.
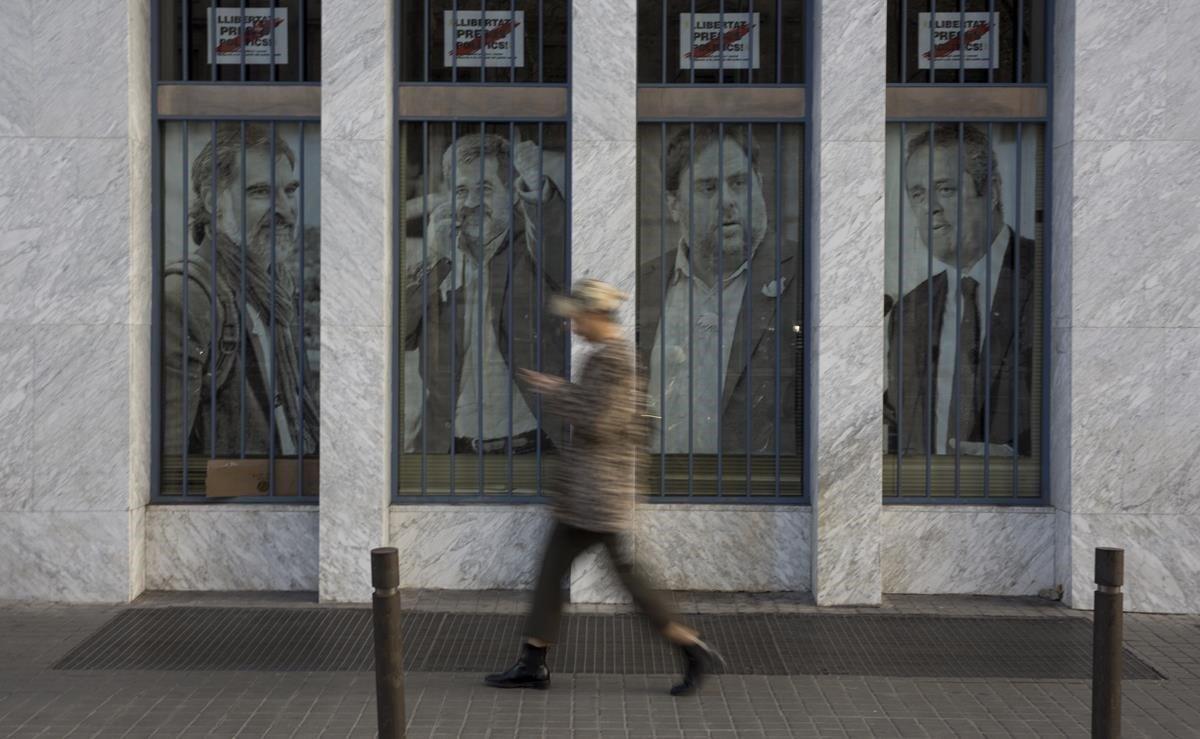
(720,319)
(482,243)
(967,255)
(237,252)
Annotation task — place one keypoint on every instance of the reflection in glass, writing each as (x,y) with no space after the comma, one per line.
(963,303)
(484,250)
(719,288)
(240,293)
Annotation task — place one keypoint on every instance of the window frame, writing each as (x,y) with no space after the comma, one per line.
(210,102)
(741,103)
(987,104)
(465,104)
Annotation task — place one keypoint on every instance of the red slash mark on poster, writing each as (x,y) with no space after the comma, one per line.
(725,39)
(467,48)
(948,47)
(253,33)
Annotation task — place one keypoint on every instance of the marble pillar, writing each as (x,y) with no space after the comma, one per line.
(848,267)
(1126,308)
(603,189)
(357,133)
(74,299)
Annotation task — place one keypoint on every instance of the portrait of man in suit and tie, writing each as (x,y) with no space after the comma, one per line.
(717,290)
(961,331)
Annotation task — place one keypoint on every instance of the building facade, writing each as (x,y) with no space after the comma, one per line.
(271,271)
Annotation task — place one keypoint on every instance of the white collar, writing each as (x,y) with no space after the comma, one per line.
(682,268)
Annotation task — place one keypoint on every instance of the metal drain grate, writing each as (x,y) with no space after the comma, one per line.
(339,639)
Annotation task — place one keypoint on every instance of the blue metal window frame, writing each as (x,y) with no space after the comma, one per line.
(1046,327)
(806,446)
(481,118)
(157,497)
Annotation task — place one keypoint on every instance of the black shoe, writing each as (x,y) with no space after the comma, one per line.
(699,659)
(529,672)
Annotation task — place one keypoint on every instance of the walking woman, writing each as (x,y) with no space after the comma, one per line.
(593,500)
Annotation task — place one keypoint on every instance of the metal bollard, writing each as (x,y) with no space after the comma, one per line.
(389,665)
(1108,625)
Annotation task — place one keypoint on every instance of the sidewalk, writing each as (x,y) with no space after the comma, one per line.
(796,670)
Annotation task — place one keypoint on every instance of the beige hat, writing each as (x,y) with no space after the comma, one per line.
(588,296)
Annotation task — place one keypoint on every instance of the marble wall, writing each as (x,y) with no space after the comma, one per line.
(848,246)
(357,130)
(1127,314)
(73,299)
(983,550)
(231,547)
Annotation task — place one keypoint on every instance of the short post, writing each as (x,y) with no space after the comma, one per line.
(389,666)
(1107,637)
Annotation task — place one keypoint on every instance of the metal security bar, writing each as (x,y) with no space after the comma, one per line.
(722,263)
(968,270)
(720,308)
(734,42)
(992,42)
(236,259)
(482,245)
(509,42)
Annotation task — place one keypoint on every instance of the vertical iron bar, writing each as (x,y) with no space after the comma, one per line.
(184,353)
(691,47)
(512,41)
(987,326)
(242,310)
(720,59)
(481,270)
(426,51)
(541,260)
(932,64)
(508,320)
(541,65)
(302,52)
(212,303)
(665,36)
(750,46)
(779,43)
(748,254)
(1047,250)
(899,320)
(274,269)
(454,54)
(903,67)
(242,31)
(691,291)
(156,260)
(930,370)
(958,308)
(212,67)
(993,49)
(662,301)
(483,50)
(185,45)
(425,350)
(273,75)
(719,286)
(1020,78)
(779,303)
(1016,317)
(454,291)
(301,355)
(962,41)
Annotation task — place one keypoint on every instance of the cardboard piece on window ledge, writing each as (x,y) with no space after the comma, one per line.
(234,478)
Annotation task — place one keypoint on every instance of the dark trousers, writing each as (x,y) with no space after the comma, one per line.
(567,542)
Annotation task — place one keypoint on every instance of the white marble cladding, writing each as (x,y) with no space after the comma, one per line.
(357,132)
(66,556)
(983,550)
(683,547)
(1127,321)
(469,547)
(848,241)
(231,547)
